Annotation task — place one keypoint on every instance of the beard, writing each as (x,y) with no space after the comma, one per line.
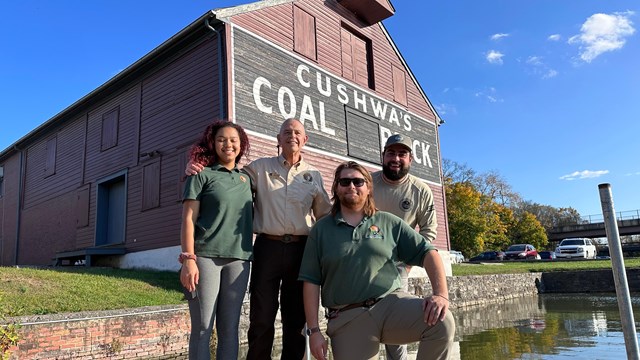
(394,175)
(352,202)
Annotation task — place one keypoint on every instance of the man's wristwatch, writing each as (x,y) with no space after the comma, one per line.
(313,330)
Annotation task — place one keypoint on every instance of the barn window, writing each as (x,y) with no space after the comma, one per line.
(304,33)
(151,186)
(50,161)
(82,207)
(399,85)
(363,136)
(183,155)
(110,129)
(1,181)
(356,58)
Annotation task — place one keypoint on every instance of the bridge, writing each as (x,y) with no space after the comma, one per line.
(592,226)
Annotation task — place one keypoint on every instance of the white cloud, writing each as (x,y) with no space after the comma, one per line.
(534,60)
(446,109)
(554,37)
(539,68)
(584,174)
(633,174)
(496,37)
(490,94)
(494,57)
(601,33)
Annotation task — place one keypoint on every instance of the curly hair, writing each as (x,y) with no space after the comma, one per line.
(370,205)
(204,151)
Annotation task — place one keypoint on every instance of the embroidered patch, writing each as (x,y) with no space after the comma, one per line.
(406,204)
(242,178)
(374,232)
(307,177)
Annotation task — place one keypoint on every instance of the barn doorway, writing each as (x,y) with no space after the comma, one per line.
(111,210)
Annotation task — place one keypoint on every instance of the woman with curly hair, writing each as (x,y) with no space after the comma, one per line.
(216,239)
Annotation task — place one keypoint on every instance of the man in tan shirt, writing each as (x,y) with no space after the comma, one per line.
(407,197)
(289,197)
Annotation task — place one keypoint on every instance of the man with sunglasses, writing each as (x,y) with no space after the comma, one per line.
(407,197)
(350,262)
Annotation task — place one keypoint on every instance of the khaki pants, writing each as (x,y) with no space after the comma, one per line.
(396,319)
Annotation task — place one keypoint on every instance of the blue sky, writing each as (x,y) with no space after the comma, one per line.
(545,92)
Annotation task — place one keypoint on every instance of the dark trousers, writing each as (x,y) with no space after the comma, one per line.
(275,270)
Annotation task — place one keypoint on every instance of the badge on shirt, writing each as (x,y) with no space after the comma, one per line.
(406,204)
(374,233)
(307,177)
(242,178)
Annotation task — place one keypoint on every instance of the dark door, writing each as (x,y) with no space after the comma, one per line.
(111,212)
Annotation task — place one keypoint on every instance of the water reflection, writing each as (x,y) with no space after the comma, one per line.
(577,326)
(581,326)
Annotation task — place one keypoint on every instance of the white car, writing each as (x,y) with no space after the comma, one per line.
(456,257)
(581,248)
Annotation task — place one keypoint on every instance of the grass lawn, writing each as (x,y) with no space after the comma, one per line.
(29,291)
(512,267)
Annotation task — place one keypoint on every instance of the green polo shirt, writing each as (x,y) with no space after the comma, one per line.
(224,225)
(353,264)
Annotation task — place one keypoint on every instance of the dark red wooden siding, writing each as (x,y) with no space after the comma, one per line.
(178,102)
(9,204)
(275,24)
(304,33)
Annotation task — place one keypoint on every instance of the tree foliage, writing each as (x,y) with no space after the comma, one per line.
(466,221)
(485,213)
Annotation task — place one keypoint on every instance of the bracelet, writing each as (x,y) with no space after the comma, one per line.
(440,296)
(186,256)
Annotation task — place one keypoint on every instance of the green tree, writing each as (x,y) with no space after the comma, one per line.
(467,224)
(500,220)
(527,229)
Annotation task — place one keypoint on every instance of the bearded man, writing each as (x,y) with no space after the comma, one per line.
(351,255)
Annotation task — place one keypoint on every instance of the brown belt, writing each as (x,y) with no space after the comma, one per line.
(286,238)
(367,304)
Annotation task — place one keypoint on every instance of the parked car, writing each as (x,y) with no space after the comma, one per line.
(581,248)
(488,256)
(456,256)
(547,255)
(521,252)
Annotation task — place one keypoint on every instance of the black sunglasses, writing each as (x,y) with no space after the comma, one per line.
(357,182)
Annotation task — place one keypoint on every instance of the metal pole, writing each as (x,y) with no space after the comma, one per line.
(619,273)
(307,349)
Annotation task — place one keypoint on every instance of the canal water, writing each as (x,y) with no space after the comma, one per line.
(577,326)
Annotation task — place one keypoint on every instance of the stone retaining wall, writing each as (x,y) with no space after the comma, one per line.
(162,332)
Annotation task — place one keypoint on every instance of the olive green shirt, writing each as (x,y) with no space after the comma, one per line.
(353,264)
(224,225)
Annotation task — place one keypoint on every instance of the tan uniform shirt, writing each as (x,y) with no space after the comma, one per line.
(411,200)
(286,196)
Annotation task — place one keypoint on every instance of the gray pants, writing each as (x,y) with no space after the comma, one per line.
(221,290)
(399,352)
(396,319)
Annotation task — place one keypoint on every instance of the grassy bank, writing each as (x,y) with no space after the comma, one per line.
(28,291)
(512,267)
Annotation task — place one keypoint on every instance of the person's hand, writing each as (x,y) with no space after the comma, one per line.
(189,275)
(193,168)
(435,308)
(318,345)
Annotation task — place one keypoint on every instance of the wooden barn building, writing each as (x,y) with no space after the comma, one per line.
(101,181)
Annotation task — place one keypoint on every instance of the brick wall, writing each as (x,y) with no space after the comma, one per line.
(150,332)
(162,332)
